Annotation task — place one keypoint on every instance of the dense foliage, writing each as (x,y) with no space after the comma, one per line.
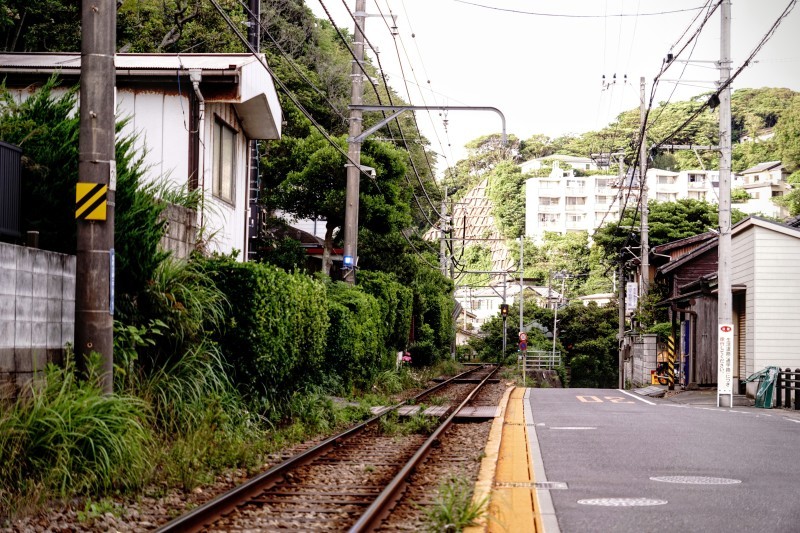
(668,221)
(274,338)
(355,351)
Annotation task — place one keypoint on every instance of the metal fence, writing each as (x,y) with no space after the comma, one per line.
(10,171)
(787,382)
(541,360)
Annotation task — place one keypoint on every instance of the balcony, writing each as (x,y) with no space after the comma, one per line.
(549,208)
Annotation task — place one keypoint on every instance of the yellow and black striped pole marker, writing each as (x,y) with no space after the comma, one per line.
(90,201)
(671,363)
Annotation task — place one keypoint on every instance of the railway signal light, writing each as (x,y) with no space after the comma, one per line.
(504,310)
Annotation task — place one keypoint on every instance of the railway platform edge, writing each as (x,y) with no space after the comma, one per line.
(510,469)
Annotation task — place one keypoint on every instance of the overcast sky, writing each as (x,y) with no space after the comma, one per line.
(544,72)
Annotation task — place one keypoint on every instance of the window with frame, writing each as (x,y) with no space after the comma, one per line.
(224,171)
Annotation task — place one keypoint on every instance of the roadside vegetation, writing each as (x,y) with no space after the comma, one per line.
(217,363)
(220,363)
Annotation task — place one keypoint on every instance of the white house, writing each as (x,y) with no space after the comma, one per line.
(559,164)
(194,115)
(764,182)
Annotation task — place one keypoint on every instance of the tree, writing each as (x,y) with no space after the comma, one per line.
(791,200)
(317,190)
(41,26)
(506,190)
(787,136)
(668,221)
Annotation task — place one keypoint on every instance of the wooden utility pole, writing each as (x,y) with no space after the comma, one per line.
(724,302)
(94,276)
(354,149)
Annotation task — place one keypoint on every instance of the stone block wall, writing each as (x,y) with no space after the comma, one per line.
(643,359)
(37,312)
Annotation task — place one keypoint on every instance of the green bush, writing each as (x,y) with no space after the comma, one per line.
(274,338)
(396,302)
(355,350)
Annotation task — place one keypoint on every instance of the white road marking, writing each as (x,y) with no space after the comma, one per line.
(637,397)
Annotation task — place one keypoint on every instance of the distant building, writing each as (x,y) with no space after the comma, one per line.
(482,303)
(762,183)
(563,202)
(562,165)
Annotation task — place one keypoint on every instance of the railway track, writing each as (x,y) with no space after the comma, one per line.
(349,482)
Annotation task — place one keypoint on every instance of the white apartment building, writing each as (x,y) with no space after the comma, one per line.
(764,182)
(563,202)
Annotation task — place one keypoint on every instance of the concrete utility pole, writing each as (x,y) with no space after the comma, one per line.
(505,282)
(644,281)
(94,288)
(563,277)
(521,278)
(724,309)
(354,149)
(621,287)
(253,37)
(442,238)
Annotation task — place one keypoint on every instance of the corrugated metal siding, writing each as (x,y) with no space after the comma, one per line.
(742,273)
(10,172)
(776,310)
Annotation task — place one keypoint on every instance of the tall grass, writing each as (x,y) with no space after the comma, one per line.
(64,437)
(454,509)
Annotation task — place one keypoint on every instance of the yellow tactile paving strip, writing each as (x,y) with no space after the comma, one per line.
(513,506)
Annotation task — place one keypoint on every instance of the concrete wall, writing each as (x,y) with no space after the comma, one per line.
(643,359)
(37,312)
(181,235)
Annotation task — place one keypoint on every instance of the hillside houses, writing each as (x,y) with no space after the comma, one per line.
(566,201)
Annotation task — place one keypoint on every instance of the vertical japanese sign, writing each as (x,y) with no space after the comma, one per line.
(725,360)
(631,297)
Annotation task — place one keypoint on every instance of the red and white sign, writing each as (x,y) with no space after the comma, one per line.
(725,359)
(523,336)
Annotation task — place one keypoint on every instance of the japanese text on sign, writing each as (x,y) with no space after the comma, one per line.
(725,360)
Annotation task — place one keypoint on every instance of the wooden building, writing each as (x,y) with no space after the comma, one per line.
(766,313)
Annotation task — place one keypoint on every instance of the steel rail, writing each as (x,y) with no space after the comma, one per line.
(381,506)
(202,516)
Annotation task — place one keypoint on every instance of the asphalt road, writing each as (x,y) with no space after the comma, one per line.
(607,446)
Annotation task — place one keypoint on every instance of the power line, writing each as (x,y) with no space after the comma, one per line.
(383,76)
(565,15)
(291,62)
(283,86)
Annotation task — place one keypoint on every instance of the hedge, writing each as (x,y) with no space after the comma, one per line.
(396,302)
(275,337)
(356,350)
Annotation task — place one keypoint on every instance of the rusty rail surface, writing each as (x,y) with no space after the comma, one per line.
(205,515)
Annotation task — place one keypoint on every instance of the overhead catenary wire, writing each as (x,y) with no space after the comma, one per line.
(389,95)
(290,61)
(568,15)
(283,86)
